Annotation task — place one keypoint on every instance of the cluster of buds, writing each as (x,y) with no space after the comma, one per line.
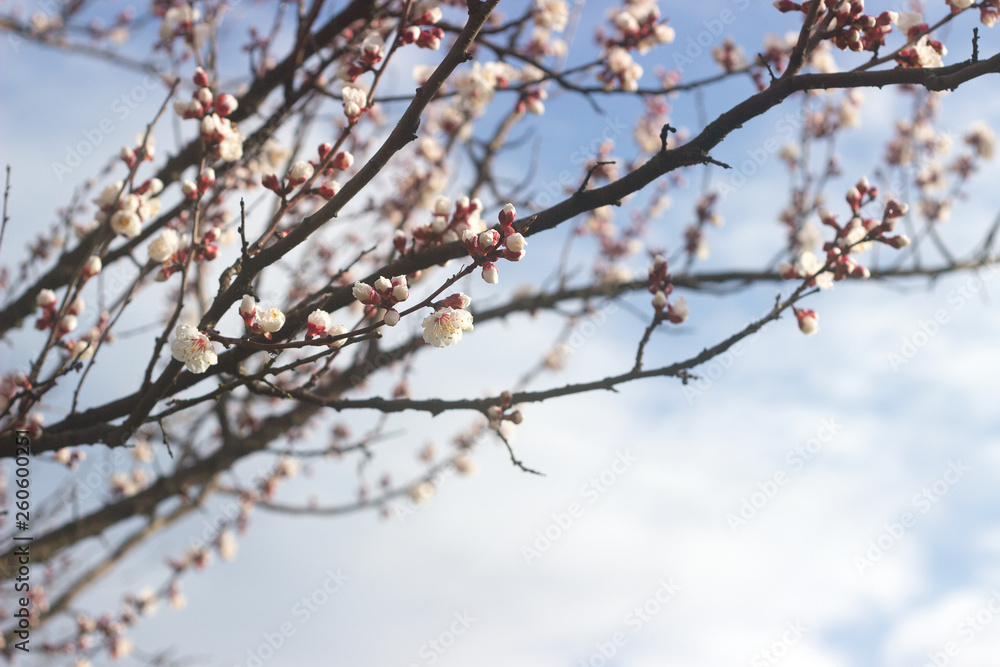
(371,52)
(70,457)
(320,325)
(141,151)
(385,294)
(258,321)
(183,21)
(497,414)
(422,33)
(303,171)
(195,189)
(660,286)
(355,102)
(924,52)
(127,212)
(637,26)
(221,136)
(49,317)
(83,348)
(491,245)
(855,236)
(532,100)
(853,30)
(620,70)
(446,226)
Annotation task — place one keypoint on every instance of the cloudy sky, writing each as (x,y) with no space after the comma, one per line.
(811,502)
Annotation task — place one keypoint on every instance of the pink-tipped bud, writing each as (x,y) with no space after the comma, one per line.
(391,318)
(808,320)
(343,160)
(490,273)
(488,239)
(898,242)
(507,215)
(226,104)
(200,77)
(458,301)
(400,240)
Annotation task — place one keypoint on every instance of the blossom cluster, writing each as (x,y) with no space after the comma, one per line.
(637,27)
(385,293)
(126,212)
(266,322)
(446,225)
(302,171)
(221,136)
(660,286)
(491,245)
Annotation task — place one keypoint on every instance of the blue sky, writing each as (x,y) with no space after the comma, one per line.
(674,466)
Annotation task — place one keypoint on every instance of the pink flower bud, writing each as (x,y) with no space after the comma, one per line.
(226,104)
(200,77)
(400,240)
(383,286)
(490,273)
(898,242)
(364,293)
(343,160)
(458,301)
(400,291)
(391,318)
(507,215)
(808,320)
(300,172)
(318,323)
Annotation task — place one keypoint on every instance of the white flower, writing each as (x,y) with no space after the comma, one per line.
(808,264)
(272,319)
(126,223)
(193,348)
(444,326)
(109,195)
(552,14)
(164,246)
